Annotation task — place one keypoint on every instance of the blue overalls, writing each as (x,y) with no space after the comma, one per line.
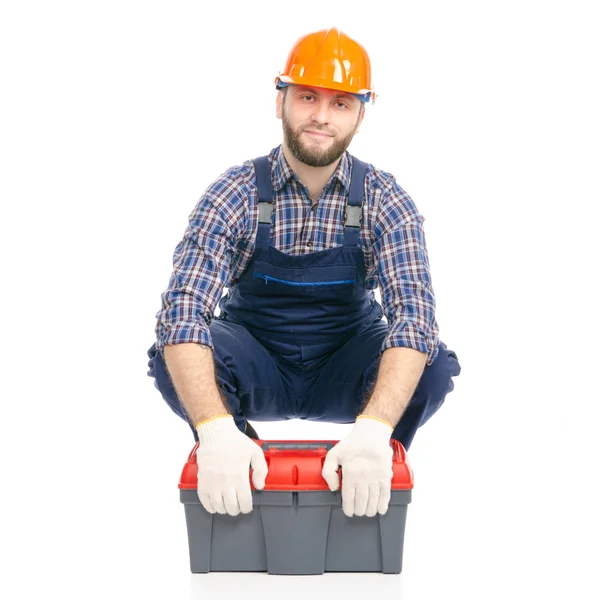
(299,336)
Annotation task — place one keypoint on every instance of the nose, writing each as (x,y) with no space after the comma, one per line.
(321,113)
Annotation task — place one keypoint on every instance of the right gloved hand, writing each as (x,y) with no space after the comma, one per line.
(224,457)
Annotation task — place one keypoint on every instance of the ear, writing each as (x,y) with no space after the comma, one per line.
(278,104)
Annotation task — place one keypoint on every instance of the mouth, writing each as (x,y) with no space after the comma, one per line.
(317,134)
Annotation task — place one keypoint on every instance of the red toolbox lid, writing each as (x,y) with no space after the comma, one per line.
(297,466)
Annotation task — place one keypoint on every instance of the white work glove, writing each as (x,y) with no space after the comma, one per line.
(224,458)
(365,456)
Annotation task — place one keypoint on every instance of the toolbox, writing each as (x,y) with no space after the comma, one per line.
(297,526)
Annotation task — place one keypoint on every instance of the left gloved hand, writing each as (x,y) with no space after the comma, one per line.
(365,456)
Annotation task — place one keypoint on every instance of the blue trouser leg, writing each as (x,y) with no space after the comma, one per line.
(246,374)
(162,382)
(339,389)
(251,379)
(258,385)
(433,387)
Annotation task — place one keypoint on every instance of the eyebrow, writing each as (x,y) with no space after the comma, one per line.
(344,95)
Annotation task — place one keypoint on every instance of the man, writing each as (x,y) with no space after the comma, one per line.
(301,238)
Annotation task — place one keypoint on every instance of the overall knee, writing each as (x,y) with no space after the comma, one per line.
(437,377)
(435,383)
(157,369)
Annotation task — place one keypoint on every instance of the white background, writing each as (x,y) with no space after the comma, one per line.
(116,116)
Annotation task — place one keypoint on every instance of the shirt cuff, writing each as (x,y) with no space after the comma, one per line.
(184,333)
(408,335)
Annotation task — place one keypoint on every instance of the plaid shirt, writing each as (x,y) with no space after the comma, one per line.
(221,235)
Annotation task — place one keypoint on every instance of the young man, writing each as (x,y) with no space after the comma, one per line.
(301,238)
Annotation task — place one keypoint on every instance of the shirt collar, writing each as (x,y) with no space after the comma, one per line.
(282,171)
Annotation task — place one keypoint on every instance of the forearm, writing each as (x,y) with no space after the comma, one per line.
(192,371)
(399,373)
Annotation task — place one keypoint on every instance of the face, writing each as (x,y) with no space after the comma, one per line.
(318,124)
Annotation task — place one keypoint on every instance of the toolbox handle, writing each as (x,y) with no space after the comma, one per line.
(301,467)
(399,452)
(297,445)
(398,449)
(277,446)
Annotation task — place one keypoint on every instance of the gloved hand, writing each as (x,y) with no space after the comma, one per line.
(365,456)
(224,457)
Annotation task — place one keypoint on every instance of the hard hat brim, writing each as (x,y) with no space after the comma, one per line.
(364,95)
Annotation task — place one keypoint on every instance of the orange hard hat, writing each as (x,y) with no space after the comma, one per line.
(329,59)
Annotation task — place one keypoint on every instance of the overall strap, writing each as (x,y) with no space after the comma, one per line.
(354,206)
(265,199)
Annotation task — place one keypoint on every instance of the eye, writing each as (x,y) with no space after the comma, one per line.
(341,104)
(307,97)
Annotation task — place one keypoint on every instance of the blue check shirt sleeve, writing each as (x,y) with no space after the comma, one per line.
(404,275)
(201,265)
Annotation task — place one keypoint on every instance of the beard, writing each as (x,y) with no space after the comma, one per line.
(312,156)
